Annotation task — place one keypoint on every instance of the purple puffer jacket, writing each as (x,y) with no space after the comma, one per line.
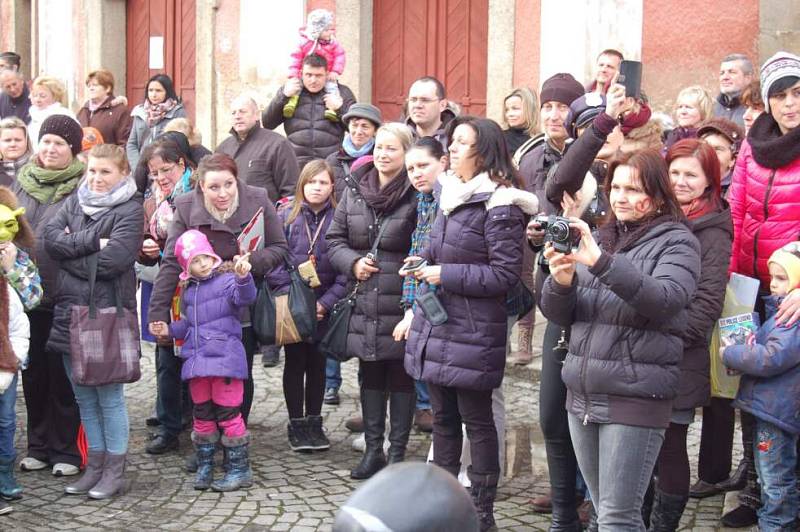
(480,252)
(333,284)
(211,328)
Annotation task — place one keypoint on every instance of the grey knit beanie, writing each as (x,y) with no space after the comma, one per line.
(318,21)
(781,65)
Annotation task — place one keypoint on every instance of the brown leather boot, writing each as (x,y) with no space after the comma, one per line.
(523,355)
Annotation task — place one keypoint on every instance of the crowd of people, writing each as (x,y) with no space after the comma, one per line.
(422,242)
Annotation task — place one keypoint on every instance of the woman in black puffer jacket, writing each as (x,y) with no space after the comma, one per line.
(626,304)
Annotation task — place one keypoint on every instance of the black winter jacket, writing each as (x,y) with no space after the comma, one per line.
(628,318)
(715,234)
(350,237)
(122,226)
(311,134)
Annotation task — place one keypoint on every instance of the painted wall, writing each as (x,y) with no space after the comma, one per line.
(683,43)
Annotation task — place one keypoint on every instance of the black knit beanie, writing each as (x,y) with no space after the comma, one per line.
(562,88)
(65,127)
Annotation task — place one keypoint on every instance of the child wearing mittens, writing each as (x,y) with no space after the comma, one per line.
(20,290)
(213,297)
(770,391)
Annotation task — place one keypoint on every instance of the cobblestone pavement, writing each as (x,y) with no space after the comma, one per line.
(298,492)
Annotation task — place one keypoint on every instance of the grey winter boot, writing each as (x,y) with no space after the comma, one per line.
(205,445)
(238,474)
(9,489)
(91,475)
(112,482)
(483,492)
(667,511)
(401,416)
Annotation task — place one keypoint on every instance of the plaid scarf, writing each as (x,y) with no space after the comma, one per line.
(420,238)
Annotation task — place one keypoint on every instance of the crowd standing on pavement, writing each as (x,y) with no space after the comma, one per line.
(414,246)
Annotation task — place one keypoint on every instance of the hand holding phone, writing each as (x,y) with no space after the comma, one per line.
(412,264)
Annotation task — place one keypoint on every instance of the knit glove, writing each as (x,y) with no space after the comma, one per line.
(5,380)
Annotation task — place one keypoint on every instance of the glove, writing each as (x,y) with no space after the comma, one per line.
(5,380)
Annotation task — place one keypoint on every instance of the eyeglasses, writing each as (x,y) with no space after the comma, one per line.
(423,101)
(167,170)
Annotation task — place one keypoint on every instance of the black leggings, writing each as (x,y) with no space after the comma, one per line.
(303,378)
(673,461)
(385,375)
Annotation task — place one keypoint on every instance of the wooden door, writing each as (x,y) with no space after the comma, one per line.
(174,21)
(442,38)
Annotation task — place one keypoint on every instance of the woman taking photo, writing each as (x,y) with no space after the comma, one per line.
(220,206)
(306,221)
(103,111)
(766,216)
(42,186)
(367,241)
(15,150)
(161,104)
(103,221)
(171,173)
(474,258)
(695,175)
(626,305)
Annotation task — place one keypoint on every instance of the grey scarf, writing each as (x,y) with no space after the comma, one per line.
(95,204)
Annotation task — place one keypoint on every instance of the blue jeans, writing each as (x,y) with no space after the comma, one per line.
(8,422)
(616,462)
(423,399)
(775,453)
(103,413)
(333,373)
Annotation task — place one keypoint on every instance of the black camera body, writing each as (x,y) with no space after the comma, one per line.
(558,231)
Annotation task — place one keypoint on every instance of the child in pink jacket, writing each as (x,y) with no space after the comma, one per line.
(317,38)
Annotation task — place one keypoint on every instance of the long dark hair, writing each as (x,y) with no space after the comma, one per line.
(491,151)
(651,171)
(165,82)
(430,145)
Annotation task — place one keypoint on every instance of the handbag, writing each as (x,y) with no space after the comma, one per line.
(286,318)
(104,342)
(334,342)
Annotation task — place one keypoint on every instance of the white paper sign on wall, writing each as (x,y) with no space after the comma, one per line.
(156,53)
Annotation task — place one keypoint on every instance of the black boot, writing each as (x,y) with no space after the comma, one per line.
(667,511)
(401,416)
(647,503)
(562,465)
(483,492)
(373,408)
(316,434)
(297,430)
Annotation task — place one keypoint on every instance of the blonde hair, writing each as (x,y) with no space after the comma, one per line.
(702,99)
(112,152)
(530,109)
(12,122)
(183,125)
(312,168)
(400,131)
(56,88)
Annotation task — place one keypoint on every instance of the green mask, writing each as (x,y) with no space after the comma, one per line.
(9,225)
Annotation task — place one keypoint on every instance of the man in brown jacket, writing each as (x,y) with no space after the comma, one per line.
(265,159)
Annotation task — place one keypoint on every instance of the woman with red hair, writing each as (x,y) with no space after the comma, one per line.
(695,174)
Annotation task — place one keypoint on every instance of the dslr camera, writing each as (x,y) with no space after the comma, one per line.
(558,231)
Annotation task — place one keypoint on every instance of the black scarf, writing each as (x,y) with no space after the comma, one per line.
(618,236)
(383,200)
(771,148)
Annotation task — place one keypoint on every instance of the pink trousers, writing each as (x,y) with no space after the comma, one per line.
(217,403)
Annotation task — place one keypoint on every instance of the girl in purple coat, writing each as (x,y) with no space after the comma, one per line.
(306,221)
(214,359)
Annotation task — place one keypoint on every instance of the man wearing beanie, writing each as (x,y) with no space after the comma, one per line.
(42,186)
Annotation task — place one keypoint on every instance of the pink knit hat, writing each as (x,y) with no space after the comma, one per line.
(189,245)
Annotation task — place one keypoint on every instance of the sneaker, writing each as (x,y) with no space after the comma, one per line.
(65,470)
(740,517)
(423,420)
(360,444)
(32,464)
(161,444)
(331,396)
(5,508)
(299,441)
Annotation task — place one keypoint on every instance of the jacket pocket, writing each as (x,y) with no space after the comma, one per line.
(213,344)
(627,361)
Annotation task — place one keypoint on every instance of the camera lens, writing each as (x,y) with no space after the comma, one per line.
(560,231)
